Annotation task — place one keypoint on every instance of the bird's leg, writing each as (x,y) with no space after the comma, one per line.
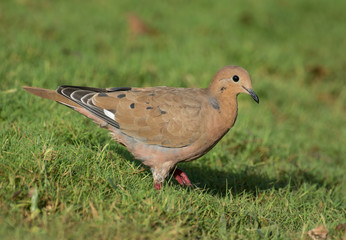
(157,186)
(159,175)
(181,177)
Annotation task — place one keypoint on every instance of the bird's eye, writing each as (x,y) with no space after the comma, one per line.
(235,78)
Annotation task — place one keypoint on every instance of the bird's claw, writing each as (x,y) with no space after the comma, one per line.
(181,177)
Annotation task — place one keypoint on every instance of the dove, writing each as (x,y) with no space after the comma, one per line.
(161,126)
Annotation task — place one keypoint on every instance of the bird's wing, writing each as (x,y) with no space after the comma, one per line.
(169,117)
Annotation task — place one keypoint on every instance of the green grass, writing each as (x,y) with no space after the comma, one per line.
(277,174)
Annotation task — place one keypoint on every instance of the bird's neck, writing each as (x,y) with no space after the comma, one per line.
(224,116)
(228,109)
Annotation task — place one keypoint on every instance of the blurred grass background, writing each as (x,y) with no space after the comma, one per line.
(279,172)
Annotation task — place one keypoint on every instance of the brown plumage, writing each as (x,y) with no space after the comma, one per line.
(161,126)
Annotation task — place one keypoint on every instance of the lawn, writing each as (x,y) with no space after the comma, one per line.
(277,174)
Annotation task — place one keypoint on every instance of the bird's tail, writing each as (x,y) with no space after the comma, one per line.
(68,99)
(52,95)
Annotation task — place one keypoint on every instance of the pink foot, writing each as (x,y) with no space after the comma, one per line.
(181,177)
(157,186)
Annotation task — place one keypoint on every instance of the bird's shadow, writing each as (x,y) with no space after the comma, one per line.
(250,180)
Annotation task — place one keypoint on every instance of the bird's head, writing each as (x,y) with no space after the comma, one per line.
(232,80)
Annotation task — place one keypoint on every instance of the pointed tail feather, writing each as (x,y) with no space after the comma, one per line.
(79,98)
(50,94)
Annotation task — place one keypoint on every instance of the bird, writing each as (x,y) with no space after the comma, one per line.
(161,126)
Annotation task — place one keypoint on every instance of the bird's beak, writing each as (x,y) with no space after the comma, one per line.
(252,94)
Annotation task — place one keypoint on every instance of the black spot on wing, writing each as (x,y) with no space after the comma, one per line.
(162,111)
(132,105)
(121,95)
